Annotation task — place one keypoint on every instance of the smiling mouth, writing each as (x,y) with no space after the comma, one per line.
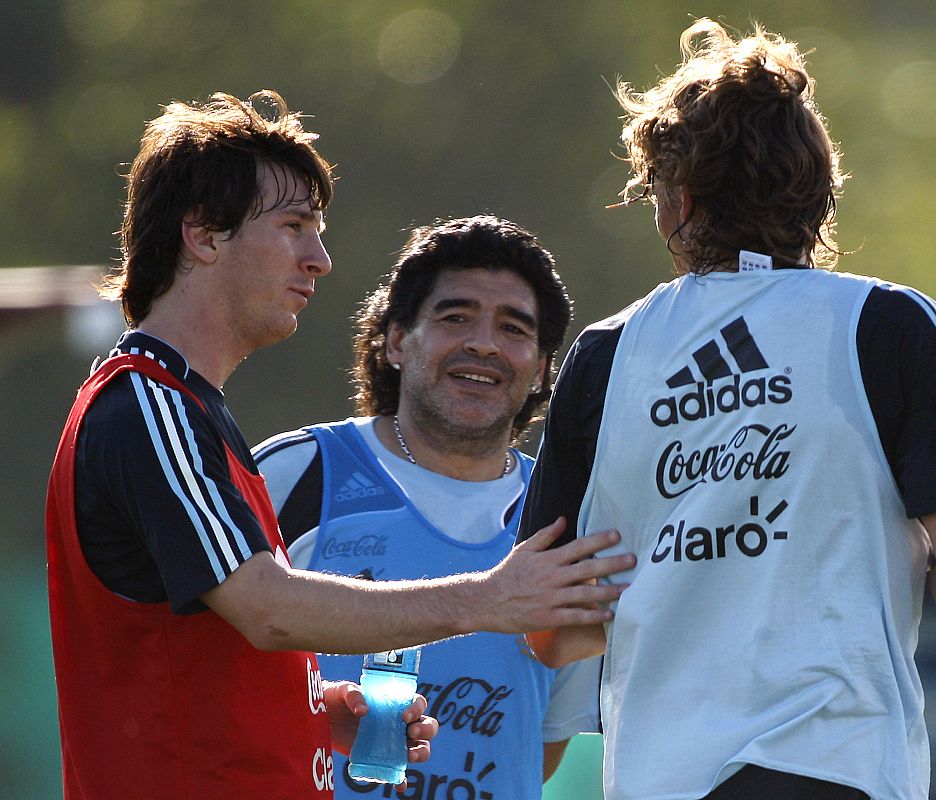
(472,376)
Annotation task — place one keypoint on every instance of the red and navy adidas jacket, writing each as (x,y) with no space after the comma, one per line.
(155,704)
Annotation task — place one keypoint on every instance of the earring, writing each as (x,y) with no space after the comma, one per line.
(535,388)
(395,366)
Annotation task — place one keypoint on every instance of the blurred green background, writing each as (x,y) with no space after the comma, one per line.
(429,109)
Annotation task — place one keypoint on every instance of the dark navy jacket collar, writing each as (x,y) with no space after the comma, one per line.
(140,343)
(144,344)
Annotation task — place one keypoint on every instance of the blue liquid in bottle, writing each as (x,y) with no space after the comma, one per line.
(388,681)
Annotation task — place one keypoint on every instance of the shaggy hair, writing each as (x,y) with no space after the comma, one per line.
(205,158)
(736,126)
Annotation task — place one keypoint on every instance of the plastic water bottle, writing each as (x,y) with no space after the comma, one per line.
(388,681)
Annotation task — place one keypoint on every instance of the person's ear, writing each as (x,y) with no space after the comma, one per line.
(393,344)
(198,242)
(685,205)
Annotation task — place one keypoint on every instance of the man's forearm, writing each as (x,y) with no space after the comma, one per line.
(558,647)
(534,588)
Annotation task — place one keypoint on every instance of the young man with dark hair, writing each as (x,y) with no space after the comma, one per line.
(184,641)
(761,432)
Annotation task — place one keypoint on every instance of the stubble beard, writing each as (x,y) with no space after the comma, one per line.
(447,431)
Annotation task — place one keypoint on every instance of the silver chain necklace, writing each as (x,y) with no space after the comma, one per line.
(409,455)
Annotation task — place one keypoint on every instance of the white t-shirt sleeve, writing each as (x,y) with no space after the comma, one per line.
(573,701)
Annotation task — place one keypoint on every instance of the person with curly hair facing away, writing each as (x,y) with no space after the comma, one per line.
(760,430)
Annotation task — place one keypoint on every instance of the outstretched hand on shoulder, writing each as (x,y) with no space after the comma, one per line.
(537,588)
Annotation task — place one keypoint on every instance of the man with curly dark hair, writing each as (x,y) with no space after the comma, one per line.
(761,432)
(497,245)
(453,359)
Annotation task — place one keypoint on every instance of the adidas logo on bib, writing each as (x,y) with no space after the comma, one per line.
(357,487)
(731,355)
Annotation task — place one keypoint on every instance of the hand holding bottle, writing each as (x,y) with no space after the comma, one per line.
(388,681)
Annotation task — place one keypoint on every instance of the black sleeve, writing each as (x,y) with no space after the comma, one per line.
(567,453)
(896,342)
(159,516)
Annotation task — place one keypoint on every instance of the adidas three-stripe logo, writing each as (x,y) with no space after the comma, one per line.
(357,486)
(712,382)
(711,362)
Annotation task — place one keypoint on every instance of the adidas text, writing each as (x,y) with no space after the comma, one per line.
(707,400)
(346,492)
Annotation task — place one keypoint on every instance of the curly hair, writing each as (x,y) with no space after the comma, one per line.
(737,127)
(205,158)
(456,244)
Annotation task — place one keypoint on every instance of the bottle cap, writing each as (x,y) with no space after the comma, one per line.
(404,662)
